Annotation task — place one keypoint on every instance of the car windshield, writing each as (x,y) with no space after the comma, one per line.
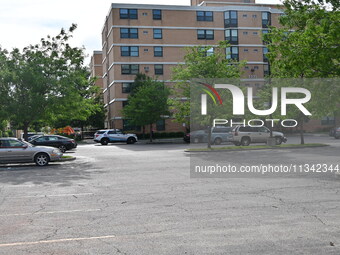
(27,143)
(100,132)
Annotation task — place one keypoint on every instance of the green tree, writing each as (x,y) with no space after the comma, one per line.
(307,46)
(147,104)
(206,66)
(46,82)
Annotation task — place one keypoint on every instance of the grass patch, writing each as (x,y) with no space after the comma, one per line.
(254,147)
(67,157)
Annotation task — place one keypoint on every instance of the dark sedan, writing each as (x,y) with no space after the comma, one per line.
(60,142)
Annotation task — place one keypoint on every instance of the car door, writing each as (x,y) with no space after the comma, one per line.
(4,151)
(120,136)
(53,141)
(40,141)
(17,151)
(263,134)
(112,136)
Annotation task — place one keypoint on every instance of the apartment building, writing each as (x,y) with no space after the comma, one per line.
(151,39)
(96,68)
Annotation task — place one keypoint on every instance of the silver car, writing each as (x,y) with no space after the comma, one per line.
(244,135)
(13,150)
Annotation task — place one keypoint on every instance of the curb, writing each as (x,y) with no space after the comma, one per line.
(256,149)
(67,159)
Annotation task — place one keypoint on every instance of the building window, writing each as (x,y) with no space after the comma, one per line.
(125,103)
(130,69)
(159,69)
(160,125)
(245,50)
(245,33)
(210,52)
(264,32)
(129,51)
(158,51)
(128,13)
(266,19)
(230,19)
(131,33)
(205,34)
(255,33)
(157,14)
(244,15)
(231,35)
(232,53)
(126,87)
(265,51)
(328,121)
(266,70)
(157,33)
(254,16)
(127,126)
(204,16)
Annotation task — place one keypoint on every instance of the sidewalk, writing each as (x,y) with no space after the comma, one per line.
(145,141)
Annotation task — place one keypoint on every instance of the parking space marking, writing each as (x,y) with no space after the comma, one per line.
(52,212)
(57,241)
(57,195)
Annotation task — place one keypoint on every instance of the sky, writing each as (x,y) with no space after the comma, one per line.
(25,22)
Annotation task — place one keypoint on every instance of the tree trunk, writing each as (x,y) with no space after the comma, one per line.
(151,133)
(143,132)
(209,137)
(301,130)
(82,132)
(25,128)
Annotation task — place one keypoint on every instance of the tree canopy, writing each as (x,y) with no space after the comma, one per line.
(46,82)
(147,104)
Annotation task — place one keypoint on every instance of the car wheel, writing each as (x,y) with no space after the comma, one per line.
(41,159)
(104,141)
(278,140)
(131,140)
(237,143)
(62,148)
(218,141)
(245,141)
(337,137)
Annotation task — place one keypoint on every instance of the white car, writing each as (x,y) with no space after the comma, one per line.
(107,136)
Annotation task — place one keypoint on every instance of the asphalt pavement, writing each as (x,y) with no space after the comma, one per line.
(140,199)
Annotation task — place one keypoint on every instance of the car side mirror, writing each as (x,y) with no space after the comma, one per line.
(25,146)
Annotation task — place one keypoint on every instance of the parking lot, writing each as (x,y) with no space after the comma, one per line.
(140,199)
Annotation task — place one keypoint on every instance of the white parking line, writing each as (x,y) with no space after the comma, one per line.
(52,212)
(58,195)
(57,241)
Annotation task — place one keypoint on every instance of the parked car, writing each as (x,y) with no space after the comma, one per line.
(218,135)
(31,135)
(337,133)
(245,135)
(61,142)
(107,136)
(13,150)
